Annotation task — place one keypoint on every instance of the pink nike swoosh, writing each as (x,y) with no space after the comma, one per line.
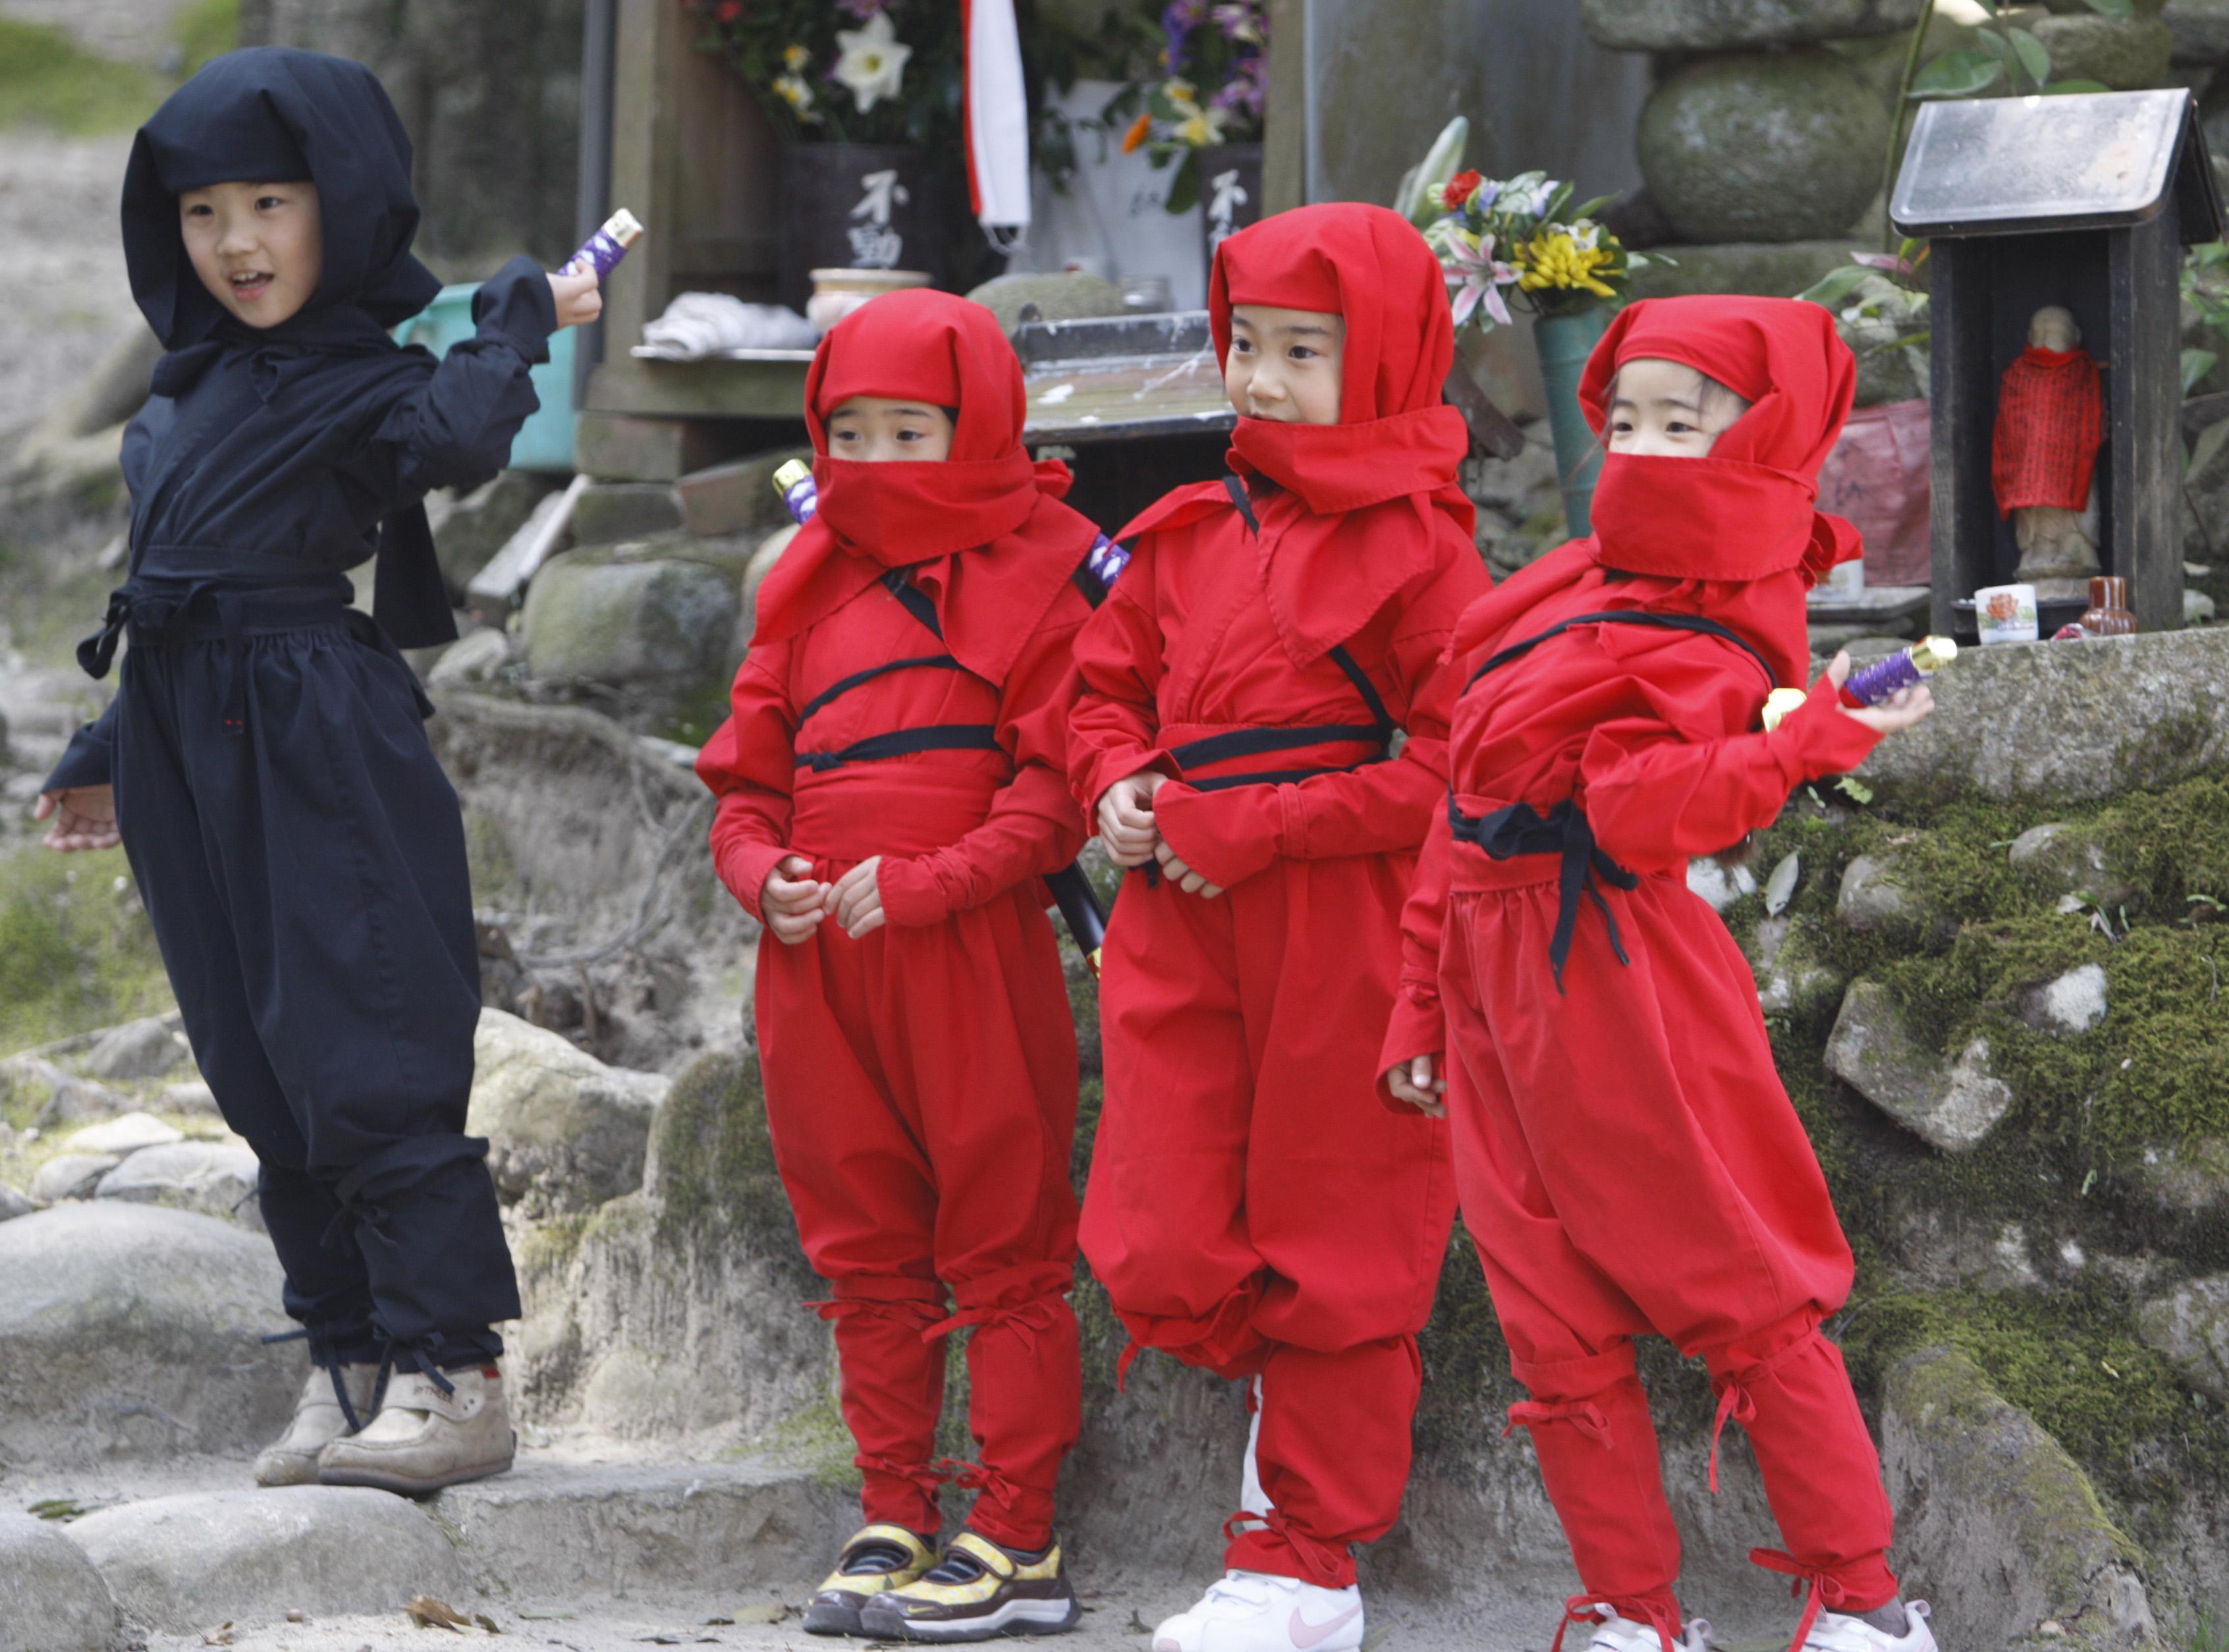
(1307,1634)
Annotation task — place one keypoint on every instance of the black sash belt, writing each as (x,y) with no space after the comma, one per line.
(158,611)
(1563,831)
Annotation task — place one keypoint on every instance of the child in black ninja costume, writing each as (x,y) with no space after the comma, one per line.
(265,761)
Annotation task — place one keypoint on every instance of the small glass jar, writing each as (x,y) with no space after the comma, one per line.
(2109,615)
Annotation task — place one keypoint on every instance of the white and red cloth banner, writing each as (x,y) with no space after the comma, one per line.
(996,111)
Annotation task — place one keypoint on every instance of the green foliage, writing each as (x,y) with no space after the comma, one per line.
(76,951)
(46,79)
(203,29)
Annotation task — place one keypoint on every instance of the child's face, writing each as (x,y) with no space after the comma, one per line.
(1284,364)
(876,428)
(1668,410)
(259,247)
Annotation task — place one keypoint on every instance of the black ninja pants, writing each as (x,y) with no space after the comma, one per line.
(302,857)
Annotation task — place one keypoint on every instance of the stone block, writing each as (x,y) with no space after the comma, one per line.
(2190,1325)
(607,513)
(1755,146)
(2127,55)
(132,1331)
(566,1133)
(1951,1104)
(1996,1524)
(623,447)
(214,1178)
(2200,28)
(71,1175)
(124,1136)
(1759,269)
(468,532)
(183,1563)
(738,497)
(2074,1003)
(1725,25)
(2066,720)
(51,1597)
(591,616)
(144,1049)
(1067,295)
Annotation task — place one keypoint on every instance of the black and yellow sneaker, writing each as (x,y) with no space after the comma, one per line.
(976,1591)
(878,1558)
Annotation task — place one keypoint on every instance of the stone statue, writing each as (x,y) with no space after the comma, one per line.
(2043,464)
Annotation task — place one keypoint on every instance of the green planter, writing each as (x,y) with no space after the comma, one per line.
(1565,343)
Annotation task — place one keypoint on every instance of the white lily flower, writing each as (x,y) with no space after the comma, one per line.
(873,61)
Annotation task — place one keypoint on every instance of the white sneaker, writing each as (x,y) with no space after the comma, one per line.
(1839,1632)
(1616,1634)
(319,1419)
(428,1434)
(1259,1611)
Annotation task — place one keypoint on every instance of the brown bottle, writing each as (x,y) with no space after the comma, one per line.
(2109,615)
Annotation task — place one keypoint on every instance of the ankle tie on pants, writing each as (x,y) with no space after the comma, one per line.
(1825,1590)
(1322,1570)
(1735,1402)
(1587,1609)
(1583,1415)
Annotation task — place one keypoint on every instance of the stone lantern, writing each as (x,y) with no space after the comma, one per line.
(2084,202)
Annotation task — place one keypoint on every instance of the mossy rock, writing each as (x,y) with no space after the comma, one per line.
(1063,296)
(2127,55)
(627,621)
(711,1164)
(2005,1528)
(1763,147)
(1720,25)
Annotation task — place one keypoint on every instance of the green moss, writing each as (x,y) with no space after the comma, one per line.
(546,1248)
(2069,1359)
(76,951)
(488,857)
(1468,1387)
(716,1166)
(698,712)
(48,79)
(817,1439)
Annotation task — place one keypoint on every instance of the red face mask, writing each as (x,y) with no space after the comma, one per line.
(1369,494)
(986,502)
(1732,535)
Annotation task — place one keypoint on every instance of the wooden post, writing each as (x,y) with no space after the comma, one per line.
(1285,116)
(2142,417)
(1963,397)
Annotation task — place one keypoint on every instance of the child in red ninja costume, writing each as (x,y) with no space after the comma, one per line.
(891,797)
(1627,1160)
(1248,1210)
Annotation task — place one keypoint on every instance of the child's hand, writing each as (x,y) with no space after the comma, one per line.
(84,817)
(1182,876)
(579,298)
(1900,711)
(792,900)
(1415,1081)
(855,898)
(1126,818)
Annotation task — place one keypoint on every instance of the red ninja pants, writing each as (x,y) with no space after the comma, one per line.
(1628,1163)
(921,1090)
(1253,1208)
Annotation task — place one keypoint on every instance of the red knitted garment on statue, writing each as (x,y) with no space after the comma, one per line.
(2050,425)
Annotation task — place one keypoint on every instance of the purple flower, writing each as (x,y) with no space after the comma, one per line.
(1177,20)
(863,10)
(1243,94)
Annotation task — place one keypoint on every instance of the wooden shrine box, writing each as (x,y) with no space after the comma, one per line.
(2083,201)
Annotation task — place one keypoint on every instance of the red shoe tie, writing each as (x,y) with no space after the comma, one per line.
(1825,1590)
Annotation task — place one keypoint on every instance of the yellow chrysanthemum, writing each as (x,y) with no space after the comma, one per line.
(1557,262)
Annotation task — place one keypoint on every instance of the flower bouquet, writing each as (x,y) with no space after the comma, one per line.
(845,71)
(1520,245)
(1217,61)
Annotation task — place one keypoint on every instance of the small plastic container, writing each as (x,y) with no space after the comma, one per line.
(545,441)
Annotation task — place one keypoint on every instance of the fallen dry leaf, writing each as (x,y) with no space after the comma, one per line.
(429,1613)
(487,1622)
(220,1636)
(772,1611)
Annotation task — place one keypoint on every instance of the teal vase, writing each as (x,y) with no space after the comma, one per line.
(1565,343)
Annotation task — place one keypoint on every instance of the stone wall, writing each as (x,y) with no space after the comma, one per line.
(490,96)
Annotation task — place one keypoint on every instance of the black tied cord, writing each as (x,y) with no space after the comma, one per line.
(134,604)
(331,1366)
(1521,830)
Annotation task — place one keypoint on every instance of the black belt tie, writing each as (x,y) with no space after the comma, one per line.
(155,612)
(1522,830)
